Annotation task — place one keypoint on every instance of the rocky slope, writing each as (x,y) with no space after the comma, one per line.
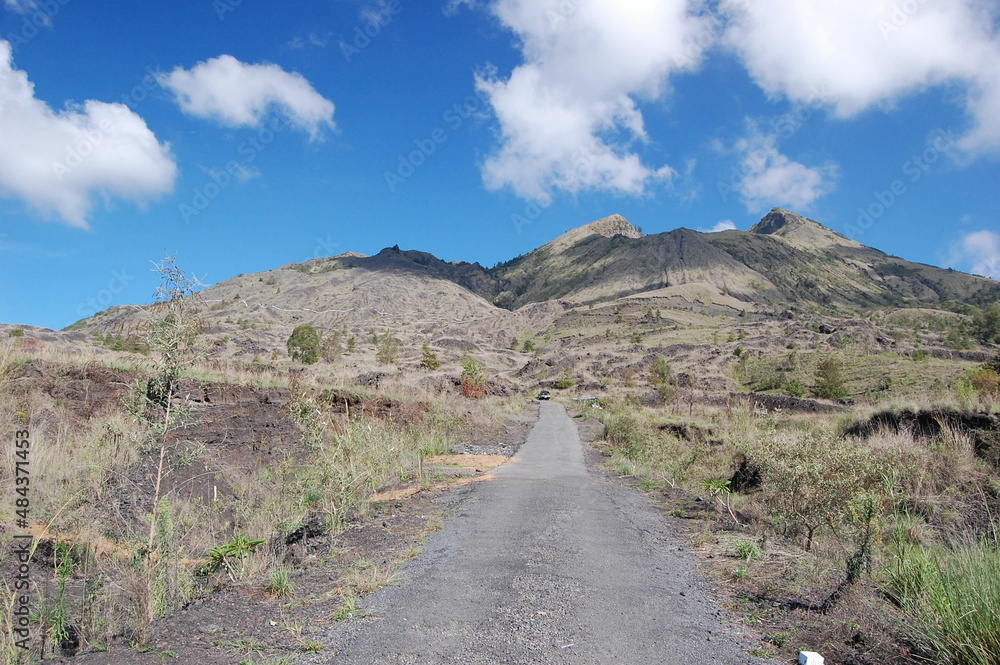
(586,283)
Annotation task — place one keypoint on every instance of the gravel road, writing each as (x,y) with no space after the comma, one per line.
(545,563)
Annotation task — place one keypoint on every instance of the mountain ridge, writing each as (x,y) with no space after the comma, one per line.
(786,260)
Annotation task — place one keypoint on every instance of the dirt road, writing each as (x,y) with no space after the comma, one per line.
(545,563)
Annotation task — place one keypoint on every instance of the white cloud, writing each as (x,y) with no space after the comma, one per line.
(237,94)
(871,53)
(568,116)
(978,252)
(55,160)
(724,225)
(770,178)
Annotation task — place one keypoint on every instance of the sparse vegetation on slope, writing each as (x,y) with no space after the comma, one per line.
(908,511)
(149,510)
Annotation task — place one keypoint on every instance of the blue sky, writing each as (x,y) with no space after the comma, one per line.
(243,135)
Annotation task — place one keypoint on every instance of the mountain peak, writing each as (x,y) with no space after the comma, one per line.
(799,231)
(613,225)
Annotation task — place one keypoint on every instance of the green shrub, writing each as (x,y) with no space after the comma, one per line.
(661,376)
(472,380)
(628,432)
(985,325)
(794,388)
(430,359)
(829,380)
(15,332)
(386,349)
(330,347)
(748,549)
(303,344)
(810,480)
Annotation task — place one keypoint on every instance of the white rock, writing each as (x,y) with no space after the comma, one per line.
(810,658)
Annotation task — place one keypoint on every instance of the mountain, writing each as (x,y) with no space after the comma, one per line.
(786,260)
(809,263)
(610,259)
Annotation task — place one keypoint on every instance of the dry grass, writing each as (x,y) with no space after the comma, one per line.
(92,482)
(831,508)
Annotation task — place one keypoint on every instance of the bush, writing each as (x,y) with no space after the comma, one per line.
(430,359)
(628,432)
(748,549)
(794,388)
(809,481)
(303,344)
(564,383)
(15,332)
(472,381)
(984,381)
(330,347)
(661,376)
(985,325)
(829,381)
(386,349)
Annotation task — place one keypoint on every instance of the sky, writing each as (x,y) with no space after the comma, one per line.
(242,135)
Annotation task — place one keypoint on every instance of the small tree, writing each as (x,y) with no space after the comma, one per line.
(330,347)
(172,331)
(472,380)
(829,381)
(986,324)
(430,359)
(303,344)
(661,376)
(386,349)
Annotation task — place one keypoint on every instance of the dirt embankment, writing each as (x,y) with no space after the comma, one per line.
(982,428)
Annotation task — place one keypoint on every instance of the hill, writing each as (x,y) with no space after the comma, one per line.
(583,294)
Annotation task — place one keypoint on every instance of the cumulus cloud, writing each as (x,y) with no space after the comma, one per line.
(238,94)
(568,116)
(724,225)
(978,252)
(770,178)
(56,160)
(871,53)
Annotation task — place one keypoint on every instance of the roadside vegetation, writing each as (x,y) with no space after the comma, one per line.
(162,478)
(869,534)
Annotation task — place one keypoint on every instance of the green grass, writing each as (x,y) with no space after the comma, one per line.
(280,583)
(348,609)
(748,550)
(951,600)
